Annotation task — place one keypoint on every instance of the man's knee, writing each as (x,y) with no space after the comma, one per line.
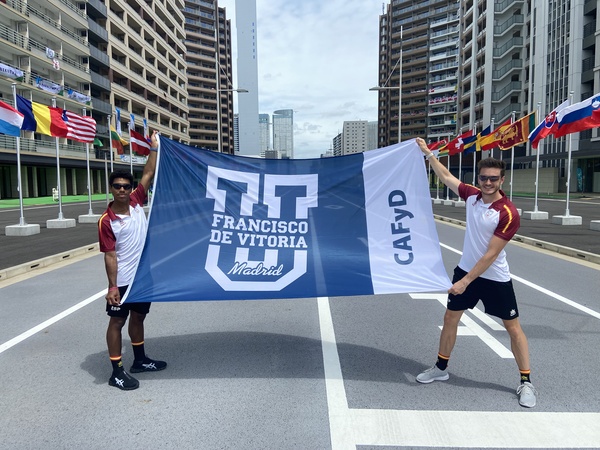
(451,318)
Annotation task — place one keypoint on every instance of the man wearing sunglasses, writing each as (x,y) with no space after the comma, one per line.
(122,232)
(482,272)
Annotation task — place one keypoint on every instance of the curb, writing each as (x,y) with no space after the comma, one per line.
(45,262)
(567,251)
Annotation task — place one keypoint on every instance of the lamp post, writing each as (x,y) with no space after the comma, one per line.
(219,134)
(387,88)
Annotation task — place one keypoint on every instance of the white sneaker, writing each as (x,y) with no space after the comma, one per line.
(527,395)
(433,374)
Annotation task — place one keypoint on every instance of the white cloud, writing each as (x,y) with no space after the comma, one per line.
(318,58)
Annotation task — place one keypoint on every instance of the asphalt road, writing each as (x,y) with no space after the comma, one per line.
(302,374)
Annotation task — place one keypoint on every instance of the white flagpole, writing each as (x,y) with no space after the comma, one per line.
(474,153)
(130,149)
(110,142)
(569,162)
(537,166)
(60,213)
(491,131)
(19,183)
(447,189)
(89,181)
(512,161)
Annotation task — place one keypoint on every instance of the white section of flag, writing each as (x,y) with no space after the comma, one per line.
(81,128)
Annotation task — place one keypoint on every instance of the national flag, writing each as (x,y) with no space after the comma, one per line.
(139,144)
(11,120)
(470,144)
(491,140)
(436,144)
(41,118)
(517,132)
(486,131)
(547,126)
(117,141)
(81,128)
(456,145)
(579,117)
(253,228)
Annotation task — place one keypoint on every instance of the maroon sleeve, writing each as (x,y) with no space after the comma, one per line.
(106,237)
(466,190)
(509,223)
(138,196)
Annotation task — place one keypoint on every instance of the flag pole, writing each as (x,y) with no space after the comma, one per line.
(130,149)
(512,160)
(474,154)
(569,162)
(491,131)
(108,117)
(106,178)
(537,166)
(89,181)
(23,228)
(58,188)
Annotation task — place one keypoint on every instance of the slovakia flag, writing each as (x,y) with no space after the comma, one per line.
(547,126)
(579,117)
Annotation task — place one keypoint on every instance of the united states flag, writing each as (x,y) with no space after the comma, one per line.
(81,128)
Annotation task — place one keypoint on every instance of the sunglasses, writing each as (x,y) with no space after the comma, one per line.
(118,186)
(483,178)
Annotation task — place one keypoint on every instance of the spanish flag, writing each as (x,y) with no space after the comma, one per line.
(41,118)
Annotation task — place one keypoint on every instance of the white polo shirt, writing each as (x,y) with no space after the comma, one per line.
(499,218)
(125,234)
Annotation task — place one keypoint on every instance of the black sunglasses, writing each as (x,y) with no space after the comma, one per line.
(118,186)
(483,178)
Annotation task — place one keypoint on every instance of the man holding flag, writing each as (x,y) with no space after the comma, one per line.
(482,272)
(122,233)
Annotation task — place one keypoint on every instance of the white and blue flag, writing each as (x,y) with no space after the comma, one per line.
(226,227)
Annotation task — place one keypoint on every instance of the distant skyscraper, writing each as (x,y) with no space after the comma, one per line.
(265,137)
(236,134)
(249,136)
(358,136)
(283,132)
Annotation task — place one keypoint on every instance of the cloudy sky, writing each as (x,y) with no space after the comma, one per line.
(319,58)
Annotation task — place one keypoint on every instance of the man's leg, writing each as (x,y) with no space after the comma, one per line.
(141,362)
(447,340)
(119,378)
(520,348)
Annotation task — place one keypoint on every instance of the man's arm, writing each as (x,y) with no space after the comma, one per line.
(150,167)
(494,248)
(110,263)
(440,170)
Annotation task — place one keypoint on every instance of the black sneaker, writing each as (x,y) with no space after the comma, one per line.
(123,381)
(147,365)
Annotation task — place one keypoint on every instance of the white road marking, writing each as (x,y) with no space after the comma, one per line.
(27,334)
(467,429)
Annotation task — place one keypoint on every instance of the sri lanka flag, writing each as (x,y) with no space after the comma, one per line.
(41,118)
(579,117)
(11,120)
(547,126)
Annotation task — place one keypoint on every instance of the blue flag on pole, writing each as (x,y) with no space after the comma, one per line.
(226,227)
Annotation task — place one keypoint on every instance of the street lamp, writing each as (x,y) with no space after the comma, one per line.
(387,88)
(219,124)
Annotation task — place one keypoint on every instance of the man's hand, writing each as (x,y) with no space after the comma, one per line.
(154,139)
(113,297)
(423,146)
(459,287)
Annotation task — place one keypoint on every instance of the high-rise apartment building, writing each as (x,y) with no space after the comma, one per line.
(209,71)
(247,75)
(283,133)
(96,56)
(265,135)
(358,136)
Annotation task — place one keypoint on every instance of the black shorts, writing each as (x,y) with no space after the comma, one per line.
(498,297)
(123,310)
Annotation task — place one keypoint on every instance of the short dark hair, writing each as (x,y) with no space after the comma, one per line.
(120,174)
(492,163)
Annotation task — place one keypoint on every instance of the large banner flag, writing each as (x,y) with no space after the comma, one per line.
(226,227)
